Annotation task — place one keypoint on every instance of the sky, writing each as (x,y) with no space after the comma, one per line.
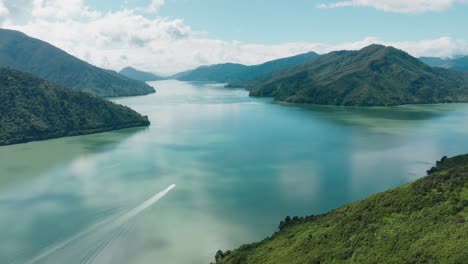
(168,36)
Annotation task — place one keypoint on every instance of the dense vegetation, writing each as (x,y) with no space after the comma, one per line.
(460,64)
(27,54)
(35,109)
(425,221)
(373,76)
(231,72)
(138,75)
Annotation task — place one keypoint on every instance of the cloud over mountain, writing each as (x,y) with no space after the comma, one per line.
(141,38)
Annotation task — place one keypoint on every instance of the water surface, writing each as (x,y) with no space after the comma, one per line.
(240,164)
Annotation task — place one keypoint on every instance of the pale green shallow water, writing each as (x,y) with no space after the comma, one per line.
(240,164)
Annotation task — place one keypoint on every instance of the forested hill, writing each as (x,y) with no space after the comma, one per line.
(34,109)
(425,221)
(460,64)
(143,76)
(374,76)
(231,72)
(21,52)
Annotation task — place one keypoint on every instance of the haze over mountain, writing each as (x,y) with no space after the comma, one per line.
(420,222)
(35,109)
(24,53)
(374,76)
(232,72)
(460,64)
(143,76)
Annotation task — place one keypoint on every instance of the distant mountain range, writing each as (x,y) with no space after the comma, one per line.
(27,54)
(374,76)
(143,76)
(231,72)
(460,64)
(34,109)
(421,222)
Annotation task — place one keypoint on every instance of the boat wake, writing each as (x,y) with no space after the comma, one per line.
(110,228)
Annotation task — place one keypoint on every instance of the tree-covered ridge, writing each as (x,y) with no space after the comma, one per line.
(27,54)
(34,109)
(232,72)
(460,64)
(226,72)
(143,76)
(374,76)
(425,221)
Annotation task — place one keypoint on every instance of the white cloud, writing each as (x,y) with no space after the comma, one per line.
(128,38)
(3,10)
(56,9)
(155,5)
(399,6)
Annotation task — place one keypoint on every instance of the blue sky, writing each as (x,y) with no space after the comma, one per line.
(274,22)
(168,36)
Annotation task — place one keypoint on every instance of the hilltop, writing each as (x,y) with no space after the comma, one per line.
(138,75)
(35,109)
(232,72)
(373,76)
(27,54)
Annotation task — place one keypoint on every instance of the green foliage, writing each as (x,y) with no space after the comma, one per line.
(373,76)
(34,109)
(27,54)
(135,74)
(230,72)
(422,222)
(438,165)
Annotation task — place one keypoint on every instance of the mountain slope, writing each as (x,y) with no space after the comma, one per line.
(35,109)
(425,221)
(24,53)
(230,72)
(373,76)
(226,72)
(138,75)
(437,62)
(460,64)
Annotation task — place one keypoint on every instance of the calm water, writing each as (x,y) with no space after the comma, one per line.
(240,165)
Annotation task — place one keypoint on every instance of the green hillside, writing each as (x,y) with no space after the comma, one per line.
(21,52)
(226,72)
(436,62)
(135,74)
(425,221)
(35,109)
(231,72)
(460,64)
(373,76)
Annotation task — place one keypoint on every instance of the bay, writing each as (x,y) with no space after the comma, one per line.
(240,165)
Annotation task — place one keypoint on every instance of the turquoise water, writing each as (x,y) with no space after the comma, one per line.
(240,164)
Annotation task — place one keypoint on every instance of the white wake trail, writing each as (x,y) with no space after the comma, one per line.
(107,224)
